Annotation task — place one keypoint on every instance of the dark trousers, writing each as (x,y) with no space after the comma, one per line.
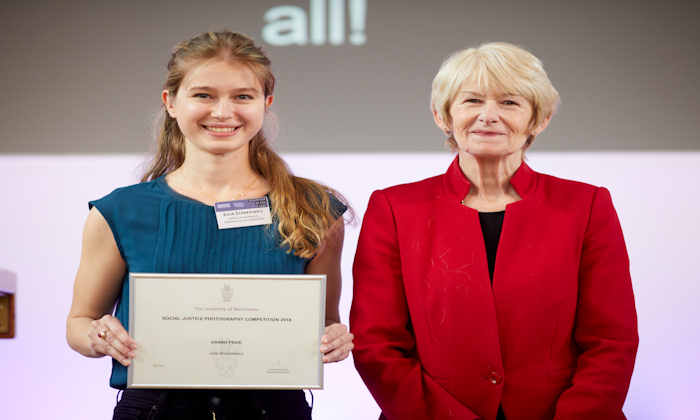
(147,404)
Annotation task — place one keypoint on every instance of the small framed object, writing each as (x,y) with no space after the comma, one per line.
(7,315)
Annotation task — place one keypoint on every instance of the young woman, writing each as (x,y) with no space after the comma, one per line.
(210,149)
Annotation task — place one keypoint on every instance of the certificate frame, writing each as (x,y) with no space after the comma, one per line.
(258,331)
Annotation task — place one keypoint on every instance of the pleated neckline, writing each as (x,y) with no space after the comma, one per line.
(176,195)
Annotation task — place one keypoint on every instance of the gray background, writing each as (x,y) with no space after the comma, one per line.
(85,76)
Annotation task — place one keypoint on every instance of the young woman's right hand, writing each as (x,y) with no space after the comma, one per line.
(108,337)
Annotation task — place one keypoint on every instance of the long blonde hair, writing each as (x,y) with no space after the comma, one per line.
(302,207)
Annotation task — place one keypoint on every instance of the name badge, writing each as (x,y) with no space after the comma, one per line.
(241,213)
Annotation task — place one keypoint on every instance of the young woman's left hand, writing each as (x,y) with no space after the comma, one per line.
(336,343)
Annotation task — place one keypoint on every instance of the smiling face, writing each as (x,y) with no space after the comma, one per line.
(219,106)
(488,73)
(489,123)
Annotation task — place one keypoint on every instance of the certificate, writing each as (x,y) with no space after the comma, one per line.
(215,331)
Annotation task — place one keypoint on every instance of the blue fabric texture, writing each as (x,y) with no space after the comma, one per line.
(158,230)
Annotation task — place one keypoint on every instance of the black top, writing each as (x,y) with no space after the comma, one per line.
(491,224)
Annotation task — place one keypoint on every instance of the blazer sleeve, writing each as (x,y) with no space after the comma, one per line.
(385,348)
(606,321)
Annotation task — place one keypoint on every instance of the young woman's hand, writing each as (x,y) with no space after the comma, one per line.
(108,336)
(336,343)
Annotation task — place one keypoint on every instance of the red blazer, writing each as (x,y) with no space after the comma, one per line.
(556,335)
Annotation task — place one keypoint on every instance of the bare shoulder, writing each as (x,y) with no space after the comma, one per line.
(100,271)
(98,240)
(96,226)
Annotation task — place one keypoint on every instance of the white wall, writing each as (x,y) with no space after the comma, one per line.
(44,204)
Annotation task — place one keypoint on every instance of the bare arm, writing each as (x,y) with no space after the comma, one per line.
(337,341)
(91,330)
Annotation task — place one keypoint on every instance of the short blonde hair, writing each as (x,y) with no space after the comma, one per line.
(496,65)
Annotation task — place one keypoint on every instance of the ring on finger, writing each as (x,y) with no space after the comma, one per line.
(103,333)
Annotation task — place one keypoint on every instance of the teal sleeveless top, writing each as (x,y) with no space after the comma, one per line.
(158,230)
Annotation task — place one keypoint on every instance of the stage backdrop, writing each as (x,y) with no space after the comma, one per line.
(353,75)
(81,82)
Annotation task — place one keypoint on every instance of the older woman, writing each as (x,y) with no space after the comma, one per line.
(493,291)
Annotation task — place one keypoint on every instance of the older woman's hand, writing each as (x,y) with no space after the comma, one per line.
(108,337)
(336,343)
